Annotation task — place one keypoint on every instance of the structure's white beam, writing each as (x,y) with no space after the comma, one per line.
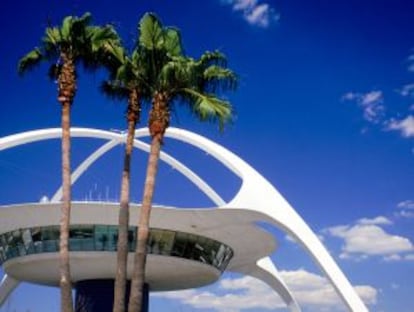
(266,271)
(85,165)
(116,138)
(7,285)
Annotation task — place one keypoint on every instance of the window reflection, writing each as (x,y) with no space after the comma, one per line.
(104,238)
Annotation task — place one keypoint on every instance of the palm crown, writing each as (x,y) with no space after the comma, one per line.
(178,78)
(75,40)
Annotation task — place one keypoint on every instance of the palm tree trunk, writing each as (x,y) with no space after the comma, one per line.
(67,89)
(122,246)
(140,258)
(159,120)
(65,277)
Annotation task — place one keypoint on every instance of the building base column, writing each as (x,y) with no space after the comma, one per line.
(98,296)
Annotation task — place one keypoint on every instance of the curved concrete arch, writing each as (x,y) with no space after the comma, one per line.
(266,271)
(85,165)
(280,212)
(115,138)
(284,216)
(7,285)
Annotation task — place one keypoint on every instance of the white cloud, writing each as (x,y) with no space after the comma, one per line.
(243,4)
(405,214)
(255,13)
(290,239)
(406,204)
(364,240)
(395,286)
(371,97)
(377,220)
(231,295)
(371,103)
(407,209)
(393,258)
(368,294)
(44,199)
(411,61)
(405,126)
(407,90)
(259,15)
(311,290)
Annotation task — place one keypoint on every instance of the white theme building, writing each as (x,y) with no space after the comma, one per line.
(188,247)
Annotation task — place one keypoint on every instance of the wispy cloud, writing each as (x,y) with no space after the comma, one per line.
(254,12)
(366,238)
(406,204)
(374,108)
(371,103)
(397,257)
(406,209)
(405,126)
(411,63)
(374,221)
(407,90)
(311,290)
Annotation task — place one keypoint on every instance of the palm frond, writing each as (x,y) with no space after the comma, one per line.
(100,46)
(208,107)
(78,26)
(212,58)
(219,78)
(66,29)
(171,73)
(172,41)
(52,37)
(29,61)
(151,32)
(103,38)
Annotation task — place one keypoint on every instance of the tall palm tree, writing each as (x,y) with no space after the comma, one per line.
(74,42)
(173,78)
(126,83)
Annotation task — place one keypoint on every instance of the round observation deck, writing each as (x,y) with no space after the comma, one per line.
(172,255)
(187,248)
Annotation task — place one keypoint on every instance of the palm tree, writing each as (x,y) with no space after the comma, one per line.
(173,78)
(74,42)
(126,82)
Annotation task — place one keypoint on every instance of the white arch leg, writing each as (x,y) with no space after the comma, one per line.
(266,271)
(282,215)
(259,195)
(7,285)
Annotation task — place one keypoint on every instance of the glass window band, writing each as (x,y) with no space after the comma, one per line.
(37,240)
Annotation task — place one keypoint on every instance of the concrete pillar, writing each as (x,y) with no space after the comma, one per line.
(98,296)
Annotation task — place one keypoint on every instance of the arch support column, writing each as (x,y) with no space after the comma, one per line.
(7,285)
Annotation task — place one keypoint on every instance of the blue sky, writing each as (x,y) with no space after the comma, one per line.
(325,111)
